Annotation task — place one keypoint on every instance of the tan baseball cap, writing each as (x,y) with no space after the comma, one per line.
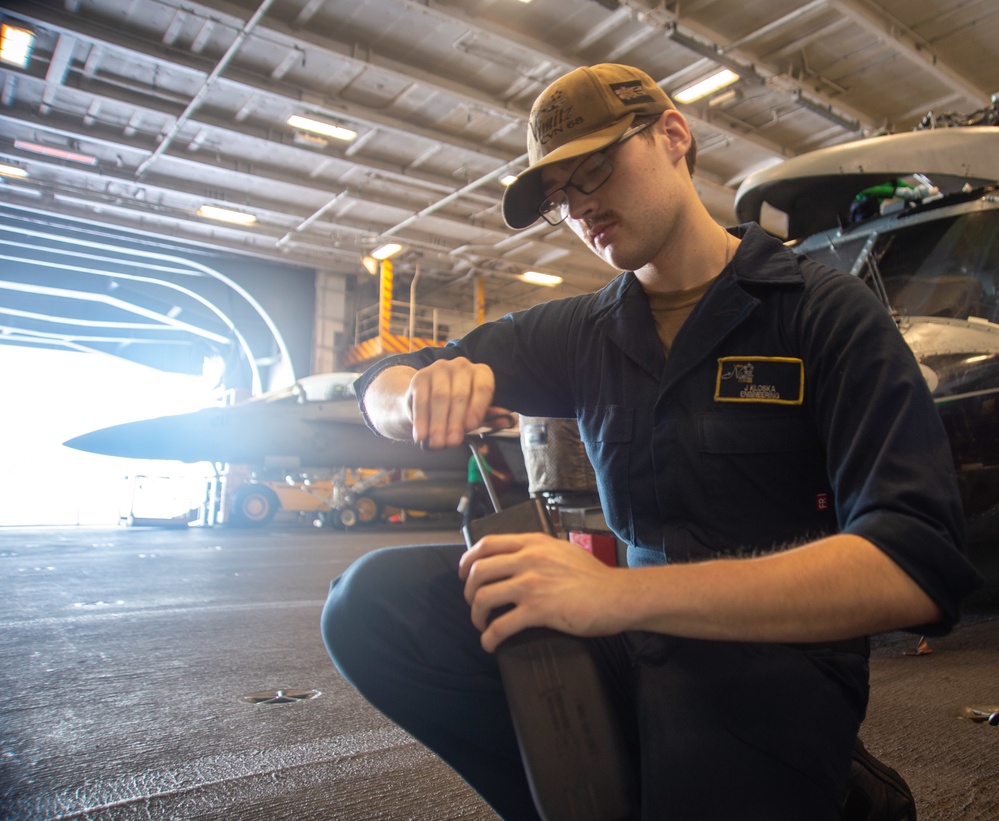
(584,111)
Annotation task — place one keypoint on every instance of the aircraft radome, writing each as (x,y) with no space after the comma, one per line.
(314,423)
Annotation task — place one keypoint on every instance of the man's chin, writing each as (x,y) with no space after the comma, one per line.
(605,252)
(618,261)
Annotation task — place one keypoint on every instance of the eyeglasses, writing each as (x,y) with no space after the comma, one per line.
(591,173)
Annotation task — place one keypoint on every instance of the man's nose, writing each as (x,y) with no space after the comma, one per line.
(580,203)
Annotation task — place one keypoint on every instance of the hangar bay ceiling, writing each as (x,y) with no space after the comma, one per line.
(137,114)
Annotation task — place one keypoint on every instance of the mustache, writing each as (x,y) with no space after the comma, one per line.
(597,219)
(595,222)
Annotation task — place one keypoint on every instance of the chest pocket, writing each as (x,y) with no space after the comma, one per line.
(607,432)
(764,479)
(753,432)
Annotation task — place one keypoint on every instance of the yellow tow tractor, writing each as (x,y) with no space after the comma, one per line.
(339,500)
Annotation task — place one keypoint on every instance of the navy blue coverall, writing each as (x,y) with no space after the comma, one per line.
(789,408)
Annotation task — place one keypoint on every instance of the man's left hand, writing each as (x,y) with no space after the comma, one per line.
(549,583)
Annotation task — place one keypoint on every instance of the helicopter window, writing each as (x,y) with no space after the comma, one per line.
(947,296)
(946,267)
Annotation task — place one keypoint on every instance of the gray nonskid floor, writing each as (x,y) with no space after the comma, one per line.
(131,660)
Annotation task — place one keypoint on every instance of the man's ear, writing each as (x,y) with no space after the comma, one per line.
(675,133)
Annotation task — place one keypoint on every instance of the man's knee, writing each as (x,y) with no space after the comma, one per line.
(356,604)
(371,607)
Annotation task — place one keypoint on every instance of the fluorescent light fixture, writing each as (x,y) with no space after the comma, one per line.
(226,215)
(57,153)
(15,45)
(509,179)
(385,251)
(537,278)
(371,265)
(12,171)
(337,132)
(709,85)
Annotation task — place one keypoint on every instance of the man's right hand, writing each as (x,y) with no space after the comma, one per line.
(435,406)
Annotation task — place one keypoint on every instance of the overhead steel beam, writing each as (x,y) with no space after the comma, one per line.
(910,45)
(250,84)
(202,92)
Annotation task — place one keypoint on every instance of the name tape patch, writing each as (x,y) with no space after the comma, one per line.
(777,380)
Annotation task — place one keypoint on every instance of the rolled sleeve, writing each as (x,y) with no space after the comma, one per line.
(889,458)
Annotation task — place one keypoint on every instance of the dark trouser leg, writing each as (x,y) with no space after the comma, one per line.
(728,731)
(740,732)
(397,627)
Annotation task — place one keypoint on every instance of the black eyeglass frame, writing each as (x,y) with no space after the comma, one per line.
(555,207)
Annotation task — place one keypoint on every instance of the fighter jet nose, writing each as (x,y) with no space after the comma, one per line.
(273,430)
(142,439)
(96,441)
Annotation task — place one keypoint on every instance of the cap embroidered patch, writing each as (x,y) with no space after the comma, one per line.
(777,380)
(631,93)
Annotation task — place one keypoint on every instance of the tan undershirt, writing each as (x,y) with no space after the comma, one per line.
(671,310)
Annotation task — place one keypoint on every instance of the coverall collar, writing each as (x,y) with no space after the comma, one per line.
(623,314)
